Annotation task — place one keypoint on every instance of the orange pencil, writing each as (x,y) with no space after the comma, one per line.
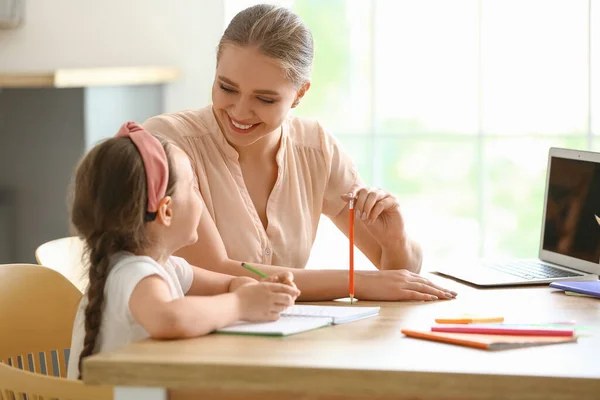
(351,235)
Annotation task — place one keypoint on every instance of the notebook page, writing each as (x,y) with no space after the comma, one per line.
(288,325)
(340,314)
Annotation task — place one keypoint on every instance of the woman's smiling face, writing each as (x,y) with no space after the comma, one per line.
(251,95)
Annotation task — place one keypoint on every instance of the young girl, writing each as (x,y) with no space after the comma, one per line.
(135,202)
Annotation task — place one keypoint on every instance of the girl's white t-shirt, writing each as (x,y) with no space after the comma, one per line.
(118,328)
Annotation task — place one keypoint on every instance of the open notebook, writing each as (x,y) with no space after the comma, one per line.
(298,319)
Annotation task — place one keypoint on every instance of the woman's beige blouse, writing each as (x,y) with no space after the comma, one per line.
(313,172)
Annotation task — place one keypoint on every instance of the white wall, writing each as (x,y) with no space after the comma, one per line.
(106,33)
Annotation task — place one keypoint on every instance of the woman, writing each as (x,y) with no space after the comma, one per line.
(266,177)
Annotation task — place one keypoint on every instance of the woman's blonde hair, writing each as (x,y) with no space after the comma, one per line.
(278,33)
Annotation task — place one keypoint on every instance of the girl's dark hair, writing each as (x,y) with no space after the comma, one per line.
(108,208)
(278,33)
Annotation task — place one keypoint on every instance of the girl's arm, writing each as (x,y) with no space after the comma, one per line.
(152,306)
(210,283)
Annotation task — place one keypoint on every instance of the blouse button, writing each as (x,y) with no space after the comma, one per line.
(268,252)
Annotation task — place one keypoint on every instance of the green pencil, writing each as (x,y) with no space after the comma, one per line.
(251,268)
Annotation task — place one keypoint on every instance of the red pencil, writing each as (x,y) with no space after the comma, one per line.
(493,329)
(351,235)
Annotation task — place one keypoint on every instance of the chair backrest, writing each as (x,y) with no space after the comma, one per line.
(37,311)
(64,255)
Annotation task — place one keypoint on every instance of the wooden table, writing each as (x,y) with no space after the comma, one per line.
(370,359)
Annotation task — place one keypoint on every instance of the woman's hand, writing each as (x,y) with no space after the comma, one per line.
(264,301)
(398,285)
(286,278)
(380,213)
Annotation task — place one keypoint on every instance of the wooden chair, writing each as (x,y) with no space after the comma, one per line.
(64,255)
(37,311)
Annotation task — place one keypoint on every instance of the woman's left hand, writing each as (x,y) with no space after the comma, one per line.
(380,212)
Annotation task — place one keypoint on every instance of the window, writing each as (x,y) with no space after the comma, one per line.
(452,106)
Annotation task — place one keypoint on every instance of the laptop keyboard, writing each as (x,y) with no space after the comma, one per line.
(531,270)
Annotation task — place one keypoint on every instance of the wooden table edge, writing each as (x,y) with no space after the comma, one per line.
(348,382)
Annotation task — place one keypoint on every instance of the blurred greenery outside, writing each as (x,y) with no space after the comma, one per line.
(461,192)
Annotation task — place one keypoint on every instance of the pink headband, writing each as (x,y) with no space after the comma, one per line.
(155,162)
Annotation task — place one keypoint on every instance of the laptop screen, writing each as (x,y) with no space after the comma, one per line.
(571,227)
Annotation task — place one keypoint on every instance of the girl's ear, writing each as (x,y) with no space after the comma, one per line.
(164,214)
(301,92)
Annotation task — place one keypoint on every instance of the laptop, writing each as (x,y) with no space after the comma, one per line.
(569,247)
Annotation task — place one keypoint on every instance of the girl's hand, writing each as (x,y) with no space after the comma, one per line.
(396,285)
(240,281)
(265,301)
(287,278)
(380,212)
